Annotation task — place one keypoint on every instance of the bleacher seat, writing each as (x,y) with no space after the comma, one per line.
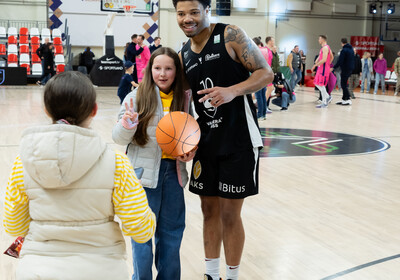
(57,41)
(35,58)
(45,33)
(37,69)
(23,31)
(34,32)
(388,73)
(12,58)
(12,31)
(56,33)
(12,40)
(12,49)
(58,50)
(34,48)
(12,64)
(28,68)
(393,76)
(2,49)
(60,68)
(23,40)
(35,40)
(3,33)
(23,49)
(59,59)
(24,58)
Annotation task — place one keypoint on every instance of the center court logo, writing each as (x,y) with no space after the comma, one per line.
(197,170)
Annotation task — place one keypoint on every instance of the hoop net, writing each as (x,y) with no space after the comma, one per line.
(129,10)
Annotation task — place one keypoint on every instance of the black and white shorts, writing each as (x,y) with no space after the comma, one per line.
(233,176)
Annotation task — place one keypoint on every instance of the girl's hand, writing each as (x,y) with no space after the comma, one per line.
(130,118)
(188,156)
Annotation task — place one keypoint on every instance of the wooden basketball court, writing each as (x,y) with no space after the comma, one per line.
(316,217)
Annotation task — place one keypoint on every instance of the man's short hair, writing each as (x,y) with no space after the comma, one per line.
(269,38)
(141,36)
(295,46)
(156,38)
(257,41)
(205,3)
(344,40)
(323,37)
(134,36)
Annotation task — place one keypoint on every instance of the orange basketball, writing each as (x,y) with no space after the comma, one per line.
(177,133)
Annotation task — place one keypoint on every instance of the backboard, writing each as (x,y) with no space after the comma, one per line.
(142,6)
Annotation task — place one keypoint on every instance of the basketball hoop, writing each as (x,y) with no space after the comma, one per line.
(129,10)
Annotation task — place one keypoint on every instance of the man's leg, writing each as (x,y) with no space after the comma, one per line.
(351,85)
(298,74)
(343,81)
(212,234)
(232,230)
(397,86)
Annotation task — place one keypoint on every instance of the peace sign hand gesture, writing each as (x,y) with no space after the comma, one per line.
(130,119)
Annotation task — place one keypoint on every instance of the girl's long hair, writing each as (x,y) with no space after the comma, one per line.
(147,96)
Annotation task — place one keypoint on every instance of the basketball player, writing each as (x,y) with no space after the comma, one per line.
(217,60)
(323,62)
(270,44)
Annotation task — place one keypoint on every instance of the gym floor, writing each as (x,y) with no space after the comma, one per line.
(329,196)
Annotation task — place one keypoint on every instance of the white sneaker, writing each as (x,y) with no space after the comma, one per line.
(340,102)
(329,99)
(346,102)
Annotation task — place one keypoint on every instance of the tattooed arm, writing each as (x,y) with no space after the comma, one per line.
(242,49)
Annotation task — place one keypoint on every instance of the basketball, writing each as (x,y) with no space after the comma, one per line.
(177,133)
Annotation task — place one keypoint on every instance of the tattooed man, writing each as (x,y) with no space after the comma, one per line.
(217,62)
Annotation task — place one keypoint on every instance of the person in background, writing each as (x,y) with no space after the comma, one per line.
(143,58)
(284,94)
(87,59)
(65,188)
(397,71)
(125,58)
(294,63)
(260,95)
(41,53)
(303,66)
(48,63)
(366,71)
(156,45)
(380,67)
(346,64)
(269,45)
(131,52)
(275,65)
(126,83)
(337,70)
(354,79)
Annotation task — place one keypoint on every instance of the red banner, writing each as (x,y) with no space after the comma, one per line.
(366,44)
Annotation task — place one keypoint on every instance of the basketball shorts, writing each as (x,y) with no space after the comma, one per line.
(231,176)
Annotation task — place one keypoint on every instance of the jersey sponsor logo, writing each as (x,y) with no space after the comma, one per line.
(214,123)
(197,170)
(200,59)
(197,185)
(186,54)
(227,188)
(212,56)
(187,63)
(210,110)
(191,67)
(217,39)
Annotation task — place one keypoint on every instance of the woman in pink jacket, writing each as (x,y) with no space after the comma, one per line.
(380,67)
(142,59)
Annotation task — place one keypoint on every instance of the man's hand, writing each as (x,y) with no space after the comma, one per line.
(218,95)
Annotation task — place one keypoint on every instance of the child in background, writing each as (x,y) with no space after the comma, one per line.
(66,187)
(160,92)
(126,83)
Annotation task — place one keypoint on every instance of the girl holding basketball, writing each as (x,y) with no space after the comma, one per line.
(164,177)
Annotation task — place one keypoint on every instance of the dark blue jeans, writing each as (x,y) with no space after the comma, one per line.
(168,203)
(283,100)
(261,102)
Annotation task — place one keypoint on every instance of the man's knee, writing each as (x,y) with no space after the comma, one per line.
(210,207)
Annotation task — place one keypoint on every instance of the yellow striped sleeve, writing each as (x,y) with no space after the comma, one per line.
(16,218)
(130,202)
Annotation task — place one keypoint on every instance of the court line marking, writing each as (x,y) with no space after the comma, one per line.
(362,266)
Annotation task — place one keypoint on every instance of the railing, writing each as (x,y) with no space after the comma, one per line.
(23,23)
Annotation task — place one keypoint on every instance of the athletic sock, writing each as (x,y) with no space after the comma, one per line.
(212,268)
(232,272)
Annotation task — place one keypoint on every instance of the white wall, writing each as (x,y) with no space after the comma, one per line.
(36,12)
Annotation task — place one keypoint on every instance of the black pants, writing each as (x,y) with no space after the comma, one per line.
(344,77)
